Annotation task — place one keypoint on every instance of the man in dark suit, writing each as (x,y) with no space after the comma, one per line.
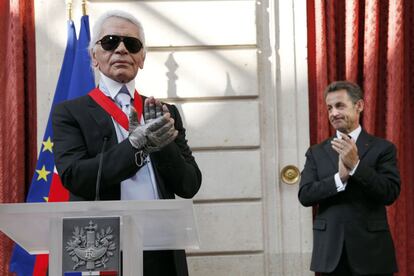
(350,177)
(147,156)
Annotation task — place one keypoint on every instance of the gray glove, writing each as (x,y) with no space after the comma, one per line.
(154,135)
(152,109)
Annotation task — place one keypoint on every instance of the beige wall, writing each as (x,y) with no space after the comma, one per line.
(237,71)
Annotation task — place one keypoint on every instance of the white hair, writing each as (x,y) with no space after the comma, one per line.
(97,27)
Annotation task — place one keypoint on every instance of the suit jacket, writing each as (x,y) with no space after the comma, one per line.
(355,218)
(80,126)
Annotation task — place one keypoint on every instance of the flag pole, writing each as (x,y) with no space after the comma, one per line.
(84,7)
(69,9)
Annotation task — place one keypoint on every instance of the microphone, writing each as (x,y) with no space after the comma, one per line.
(98,176)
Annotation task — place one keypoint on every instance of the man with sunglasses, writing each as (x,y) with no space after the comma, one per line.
(146,154)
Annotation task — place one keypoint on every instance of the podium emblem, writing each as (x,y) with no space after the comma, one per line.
(90,247)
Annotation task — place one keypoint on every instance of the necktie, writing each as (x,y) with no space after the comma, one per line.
(124,100)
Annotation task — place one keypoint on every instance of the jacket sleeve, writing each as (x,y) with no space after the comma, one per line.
(312,190)
(382,182)
(176,164)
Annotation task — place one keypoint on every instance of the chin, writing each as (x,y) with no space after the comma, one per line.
(343,130)
(340,128)
(122,78)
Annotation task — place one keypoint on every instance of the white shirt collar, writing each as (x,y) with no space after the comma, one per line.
(111,87)
(354,134)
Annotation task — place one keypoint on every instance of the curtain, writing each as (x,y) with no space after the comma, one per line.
(17,107)
(370,42)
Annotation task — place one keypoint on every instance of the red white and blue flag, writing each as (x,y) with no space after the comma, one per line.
(75,79)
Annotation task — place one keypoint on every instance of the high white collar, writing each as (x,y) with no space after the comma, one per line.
(111,87)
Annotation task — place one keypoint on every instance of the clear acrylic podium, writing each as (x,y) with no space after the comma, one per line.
(145,225)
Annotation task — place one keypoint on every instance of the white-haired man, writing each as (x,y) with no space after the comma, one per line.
(147,156)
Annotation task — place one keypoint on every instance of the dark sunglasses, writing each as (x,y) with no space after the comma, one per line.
(111,42)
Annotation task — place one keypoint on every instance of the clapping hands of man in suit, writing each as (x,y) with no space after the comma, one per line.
(348,155)
(158,130)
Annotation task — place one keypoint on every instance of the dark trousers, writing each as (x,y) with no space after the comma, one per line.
(159,263)
(343,268)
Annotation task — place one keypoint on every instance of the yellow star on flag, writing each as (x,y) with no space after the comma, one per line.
(47,145)
(42,173)
(46,198)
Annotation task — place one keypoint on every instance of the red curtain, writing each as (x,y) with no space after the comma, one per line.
(17,107)
(370,42)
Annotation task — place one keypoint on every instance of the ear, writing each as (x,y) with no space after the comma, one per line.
(360,105)
(93,57)
(142,59)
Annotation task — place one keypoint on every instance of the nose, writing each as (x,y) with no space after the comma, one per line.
(334,112)
(121,49)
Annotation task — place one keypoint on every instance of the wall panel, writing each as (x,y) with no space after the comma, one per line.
(189,23)
(229,175)
(230,227)
(221,123)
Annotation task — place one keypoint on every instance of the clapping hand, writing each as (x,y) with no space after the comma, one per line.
(153,109)
(158,130)
(348,155)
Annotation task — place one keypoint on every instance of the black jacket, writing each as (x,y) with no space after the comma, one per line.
(80,126)
(355,218)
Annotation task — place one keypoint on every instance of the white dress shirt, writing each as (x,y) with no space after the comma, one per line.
(143,184)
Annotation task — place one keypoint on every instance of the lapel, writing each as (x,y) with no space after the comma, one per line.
(363,143)
(103,121)
(333,155)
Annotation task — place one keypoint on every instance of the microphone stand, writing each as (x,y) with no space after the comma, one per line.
(98,177)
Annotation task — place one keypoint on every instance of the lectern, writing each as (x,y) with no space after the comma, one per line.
(145,225)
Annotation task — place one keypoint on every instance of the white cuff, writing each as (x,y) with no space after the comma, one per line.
(340,187)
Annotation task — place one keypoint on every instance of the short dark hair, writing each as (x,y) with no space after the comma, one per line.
(353,90)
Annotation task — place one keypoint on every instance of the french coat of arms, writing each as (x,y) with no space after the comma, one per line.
(91,246)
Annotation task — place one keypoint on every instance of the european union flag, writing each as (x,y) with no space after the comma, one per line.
(83,79)
(75,79)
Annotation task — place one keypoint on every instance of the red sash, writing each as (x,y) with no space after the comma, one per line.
(113,109)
